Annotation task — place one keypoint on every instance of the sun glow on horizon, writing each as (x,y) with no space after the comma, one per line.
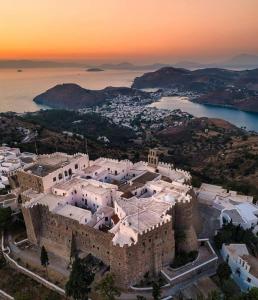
(145,29)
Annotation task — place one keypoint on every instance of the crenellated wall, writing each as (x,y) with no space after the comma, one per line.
(155,248)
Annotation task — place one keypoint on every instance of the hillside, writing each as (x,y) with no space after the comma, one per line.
(213,150)
(238,89)
(72,96)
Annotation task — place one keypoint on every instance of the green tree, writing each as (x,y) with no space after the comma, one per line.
(44,258)
(229,289)
(223,271)
(214,295)
(156,290)
(251,295)
(5,218)
(81,277)
(107,288)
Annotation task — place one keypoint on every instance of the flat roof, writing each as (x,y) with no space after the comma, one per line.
(69,184)
(100,190)
(92,169)
(234,215)
(253,262)
(81,215)
(137,182)
(237,249)
(247,211)
(47,164)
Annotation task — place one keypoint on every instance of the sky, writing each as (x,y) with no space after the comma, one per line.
(135,30)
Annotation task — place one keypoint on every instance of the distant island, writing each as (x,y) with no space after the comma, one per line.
(214,86)
(94,70)
(241,61)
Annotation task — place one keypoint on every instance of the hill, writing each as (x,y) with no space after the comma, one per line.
(238,89)
(242,61)
(73,96)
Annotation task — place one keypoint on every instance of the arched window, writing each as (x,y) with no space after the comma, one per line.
(70,172)
(76,166)
(66,173)
(60,176)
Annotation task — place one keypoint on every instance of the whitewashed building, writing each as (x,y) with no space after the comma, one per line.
(243,265)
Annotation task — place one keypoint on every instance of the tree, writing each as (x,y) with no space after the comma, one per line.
(44,258)
(229,289)
(250,295)
(156,290)
(81,277)
(223,271)
(107,288)
(5,218)
(214,295)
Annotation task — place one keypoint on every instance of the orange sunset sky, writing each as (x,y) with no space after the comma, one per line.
(140,30)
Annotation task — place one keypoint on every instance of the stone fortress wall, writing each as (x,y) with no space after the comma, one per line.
(154,248)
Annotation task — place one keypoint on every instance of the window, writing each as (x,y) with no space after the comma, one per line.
(76,166)
(60,176)
(70,172)
(106,218)
(66,173)
(249,279)
(54,179)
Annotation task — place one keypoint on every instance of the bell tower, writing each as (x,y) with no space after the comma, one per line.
(153,157)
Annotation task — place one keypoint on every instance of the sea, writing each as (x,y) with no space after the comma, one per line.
(17,90)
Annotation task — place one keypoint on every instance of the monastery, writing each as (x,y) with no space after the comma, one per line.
(126,214)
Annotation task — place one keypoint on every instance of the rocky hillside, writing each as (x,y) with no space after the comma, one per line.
(238,89)
(72,96)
